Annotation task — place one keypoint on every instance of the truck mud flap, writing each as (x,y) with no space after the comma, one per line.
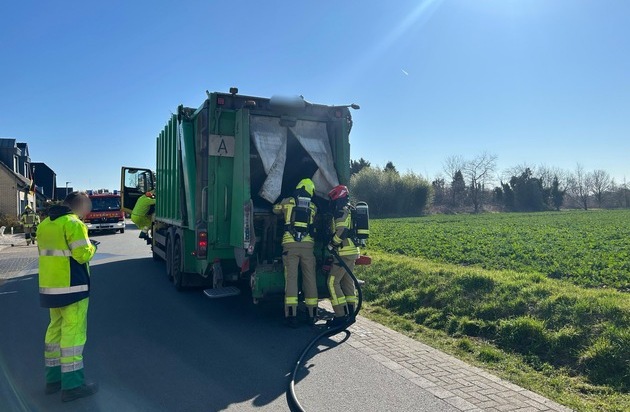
(224,292)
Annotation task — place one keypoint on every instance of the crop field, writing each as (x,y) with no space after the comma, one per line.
(545,296)
(589,248)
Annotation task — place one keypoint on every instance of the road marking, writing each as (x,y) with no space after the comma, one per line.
(6,293)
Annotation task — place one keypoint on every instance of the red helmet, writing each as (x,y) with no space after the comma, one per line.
(338,192)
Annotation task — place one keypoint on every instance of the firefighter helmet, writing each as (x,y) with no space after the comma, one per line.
(307,185)
(338,192)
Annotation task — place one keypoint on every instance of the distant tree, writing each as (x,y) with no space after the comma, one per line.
(439,190)
(557,194)
(452,165)
(389,167)
(579,185)
(458,189)
(528,192)
(508,196)
(357,165)
(478,171)
(600,184)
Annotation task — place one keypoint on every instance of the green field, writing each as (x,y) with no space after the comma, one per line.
(589,248)
(542,299)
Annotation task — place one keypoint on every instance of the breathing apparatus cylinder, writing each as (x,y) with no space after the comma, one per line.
(301,218)
(361,223)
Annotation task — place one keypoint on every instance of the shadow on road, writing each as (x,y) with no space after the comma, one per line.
(153,348)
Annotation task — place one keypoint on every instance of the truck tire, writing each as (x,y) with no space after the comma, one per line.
(122,231)
(176,269)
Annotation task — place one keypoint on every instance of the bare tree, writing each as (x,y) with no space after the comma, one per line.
(600,184)
(478,172)
(579,185)
(452,165)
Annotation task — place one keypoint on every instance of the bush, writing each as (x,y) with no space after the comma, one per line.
(8,222)
(390,194)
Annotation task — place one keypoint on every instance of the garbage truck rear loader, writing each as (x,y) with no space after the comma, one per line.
(220,168)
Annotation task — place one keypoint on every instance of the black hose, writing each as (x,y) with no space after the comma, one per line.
(292,400)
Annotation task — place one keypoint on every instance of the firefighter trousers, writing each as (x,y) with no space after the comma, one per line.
(299,255)
(341,287)
(64,340)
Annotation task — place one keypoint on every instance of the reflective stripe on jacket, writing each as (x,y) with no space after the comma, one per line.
(342,225)
(285,208)
(64,253)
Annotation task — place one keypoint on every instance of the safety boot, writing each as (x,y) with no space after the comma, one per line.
(351,310)
(312,316)
(53,387)
(82,391)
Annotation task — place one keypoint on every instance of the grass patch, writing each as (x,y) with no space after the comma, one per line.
(527,325)
(586,248)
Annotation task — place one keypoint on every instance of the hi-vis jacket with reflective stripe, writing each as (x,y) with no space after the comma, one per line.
(285,208)
(64,253)
(341,231)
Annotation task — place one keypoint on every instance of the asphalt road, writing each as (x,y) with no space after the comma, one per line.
(152,348)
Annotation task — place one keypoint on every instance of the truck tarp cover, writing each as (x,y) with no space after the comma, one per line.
(270,139)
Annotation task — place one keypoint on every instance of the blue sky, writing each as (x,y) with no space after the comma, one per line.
(532,81)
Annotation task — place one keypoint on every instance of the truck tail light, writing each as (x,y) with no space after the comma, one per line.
(202,244)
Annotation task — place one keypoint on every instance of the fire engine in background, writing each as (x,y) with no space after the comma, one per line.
(106,213)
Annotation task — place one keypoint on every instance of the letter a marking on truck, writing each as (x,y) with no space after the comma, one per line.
(221,146)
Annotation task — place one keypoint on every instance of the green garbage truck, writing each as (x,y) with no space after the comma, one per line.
(220,169)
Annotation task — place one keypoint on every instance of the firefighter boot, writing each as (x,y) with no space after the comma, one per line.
(312,316)
(291,320)
(82,391)
(351,309)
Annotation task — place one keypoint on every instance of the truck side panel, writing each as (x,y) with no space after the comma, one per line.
(168,175)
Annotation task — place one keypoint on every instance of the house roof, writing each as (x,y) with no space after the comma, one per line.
(42,164)
(21,179)
(6,142)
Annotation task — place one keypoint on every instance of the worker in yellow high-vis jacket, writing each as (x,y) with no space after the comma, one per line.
(340,284)
(64,288)
(297,245)
(142,213)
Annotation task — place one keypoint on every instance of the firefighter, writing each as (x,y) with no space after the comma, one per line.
(142,212)
(297,244)
(29,220)
(340,284)
(64,288)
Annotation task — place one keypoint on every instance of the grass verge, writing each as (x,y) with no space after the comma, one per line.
(565,342)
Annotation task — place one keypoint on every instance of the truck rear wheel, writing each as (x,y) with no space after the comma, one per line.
(176,269)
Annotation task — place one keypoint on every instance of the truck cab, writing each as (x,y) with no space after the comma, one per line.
(106,214)
(221,168)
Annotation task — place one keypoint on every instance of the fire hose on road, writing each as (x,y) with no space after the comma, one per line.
(292,401)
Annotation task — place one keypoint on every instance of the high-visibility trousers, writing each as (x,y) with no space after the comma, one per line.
(142,222)
(341,286)
(299,254)
(65,338)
